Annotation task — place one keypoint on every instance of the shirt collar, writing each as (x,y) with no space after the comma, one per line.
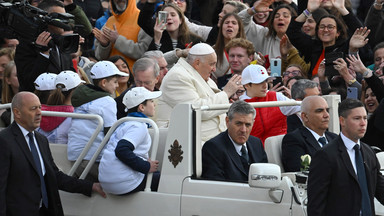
(23,130)
(315,134)
(349,144)
(237,146)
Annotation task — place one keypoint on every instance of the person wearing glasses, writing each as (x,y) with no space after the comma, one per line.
(292,70)
(331,34)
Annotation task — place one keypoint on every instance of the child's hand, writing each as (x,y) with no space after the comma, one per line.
(154,165)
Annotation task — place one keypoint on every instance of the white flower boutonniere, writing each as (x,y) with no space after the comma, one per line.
(305,162)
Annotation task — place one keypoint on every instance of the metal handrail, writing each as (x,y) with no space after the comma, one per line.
(108,135)
(254,104)
(99,127)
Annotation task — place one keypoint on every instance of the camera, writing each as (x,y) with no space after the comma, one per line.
(26,22)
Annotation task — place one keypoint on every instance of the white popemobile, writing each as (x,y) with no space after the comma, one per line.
(182,191)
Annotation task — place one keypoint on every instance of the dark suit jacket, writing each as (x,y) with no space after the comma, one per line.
(333,188)
(30,64)
(20,192)
(222,162)
(298,143)
(293,122)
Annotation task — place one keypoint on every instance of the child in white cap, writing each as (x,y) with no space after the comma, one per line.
(93,99)
(56,128)
(44,84)
(125,162)
(269,121)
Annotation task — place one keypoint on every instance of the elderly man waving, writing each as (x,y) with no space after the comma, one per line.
(189,82)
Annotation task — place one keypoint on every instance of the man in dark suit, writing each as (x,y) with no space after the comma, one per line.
(305,139)
(29,178)
(227,156)
(300,89)
(345,176)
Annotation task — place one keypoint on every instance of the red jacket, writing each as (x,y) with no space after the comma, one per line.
(269,121)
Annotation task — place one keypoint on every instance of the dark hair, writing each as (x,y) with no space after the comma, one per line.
(347,105)
(341,28)
(338,90)
(295,78)
(220,44)
(136,108)
(47,4)
(42,95)
(58,96)
(299,87)
(378,46)
(96,82)
(116,58)
(271,31)
(240,107)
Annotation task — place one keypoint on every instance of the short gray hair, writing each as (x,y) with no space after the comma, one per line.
(145,63)
(299,87)
(153,54)
(242,108)
(191,58)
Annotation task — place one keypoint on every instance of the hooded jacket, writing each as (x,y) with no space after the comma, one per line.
(126,25)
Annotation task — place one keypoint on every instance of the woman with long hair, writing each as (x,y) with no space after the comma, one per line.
(230,27)
(267,39)
(10,87)
(326,40)
(124,82)
(173,36)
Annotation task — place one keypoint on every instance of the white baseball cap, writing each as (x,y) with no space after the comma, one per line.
(201,49)
(138,95)
(254,74)
(45,82)
(69,79)
(103,69)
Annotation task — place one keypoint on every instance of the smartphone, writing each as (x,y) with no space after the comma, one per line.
(277,80)
(330,71)
(276,67)
(352,92)
(162,16)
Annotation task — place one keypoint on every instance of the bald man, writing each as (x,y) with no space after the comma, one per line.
(189,82)
(310,137)
(29,178)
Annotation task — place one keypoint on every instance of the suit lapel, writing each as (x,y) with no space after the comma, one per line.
(20,140)
(346,159)
(367,167)
(233,154)
(309,138)
(54,57)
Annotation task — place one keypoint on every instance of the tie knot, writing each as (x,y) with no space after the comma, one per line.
(30,135)
(243,150)
(356,147)
(322,140)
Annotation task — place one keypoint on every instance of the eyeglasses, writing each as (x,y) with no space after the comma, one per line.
(329,27)
(294,73)
(182,1)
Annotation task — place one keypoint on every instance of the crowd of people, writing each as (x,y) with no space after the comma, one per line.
(129,62)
